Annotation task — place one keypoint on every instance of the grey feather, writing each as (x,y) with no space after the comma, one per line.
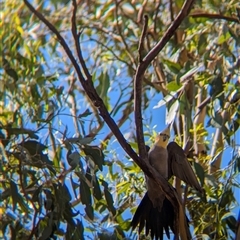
(179,166)
(158,158)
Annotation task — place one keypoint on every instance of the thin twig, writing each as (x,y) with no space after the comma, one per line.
(143,66)
(155,17)
(117,56)
(215,16)
(202,106)
(167,35)
(143,36)
(121,35)
(76,37)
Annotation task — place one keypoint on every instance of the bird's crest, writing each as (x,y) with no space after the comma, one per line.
(163,137)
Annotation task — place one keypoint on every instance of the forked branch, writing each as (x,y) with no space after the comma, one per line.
(88,87)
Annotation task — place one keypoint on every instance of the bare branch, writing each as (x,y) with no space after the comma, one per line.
(98,103)
(215,16)
(76,37)
(143,66)
(167,35)
(138,96)
(141,42)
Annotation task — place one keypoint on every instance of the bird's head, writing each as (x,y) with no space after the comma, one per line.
(163,137)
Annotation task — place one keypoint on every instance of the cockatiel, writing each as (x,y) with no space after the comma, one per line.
(155,211)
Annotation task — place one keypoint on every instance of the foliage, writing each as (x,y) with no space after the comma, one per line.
(62,172)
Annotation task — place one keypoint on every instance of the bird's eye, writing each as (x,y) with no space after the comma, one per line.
(164,137)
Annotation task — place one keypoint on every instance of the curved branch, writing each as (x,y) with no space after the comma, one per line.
(215,16)
(167,35)
(143,66)
(76,37)
(88,87)
(143,36)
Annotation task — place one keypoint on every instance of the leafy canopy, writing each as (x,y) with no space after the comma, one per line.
(62,171)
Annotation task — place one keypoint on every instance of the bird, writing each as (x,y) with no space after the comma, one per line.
(155,212)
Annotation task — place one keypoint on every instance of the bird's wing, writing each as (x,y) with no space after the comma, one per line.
(179,166)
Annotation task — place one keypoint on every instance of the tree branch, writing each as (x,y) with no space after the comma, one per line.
(138,96)
(215,16)
(98,103)
(143,36)
(76,37)
(167,35)
(143,66)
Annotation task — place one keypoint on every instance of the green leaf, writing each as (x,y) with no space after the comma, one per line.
(65,192)
(200,172)
(173,86)
(57,157)
(79,140)
(5,194)
(49,200)
(18,131)
(232,223)
(46,232)
(237,165)
(12,73)
(85,114)
(109,200)
(68,213)
(189,72)
(85,140)
(224,37)
(165,100)
(96,155)
(103,86)
(171,115)
(23,205)
(106,235)
(211,180)
(88,174)
(183,104)
(35,197)
(216,89)
(74,186)
(14,194)
(89,211)
(35,93)
(216,121)
(73,159)
(226,198)
(85,193)
(80,230)
(172,66)
(96,189)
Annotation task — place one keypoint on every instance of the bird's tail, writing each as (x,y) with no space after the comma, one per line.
(153,219)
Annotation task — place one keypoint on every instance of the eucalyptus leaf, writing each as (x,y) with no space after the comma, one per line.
(85,193)
(172,112)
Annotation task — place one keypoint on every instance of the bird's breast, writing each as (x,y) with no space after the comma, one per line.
(158,158)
